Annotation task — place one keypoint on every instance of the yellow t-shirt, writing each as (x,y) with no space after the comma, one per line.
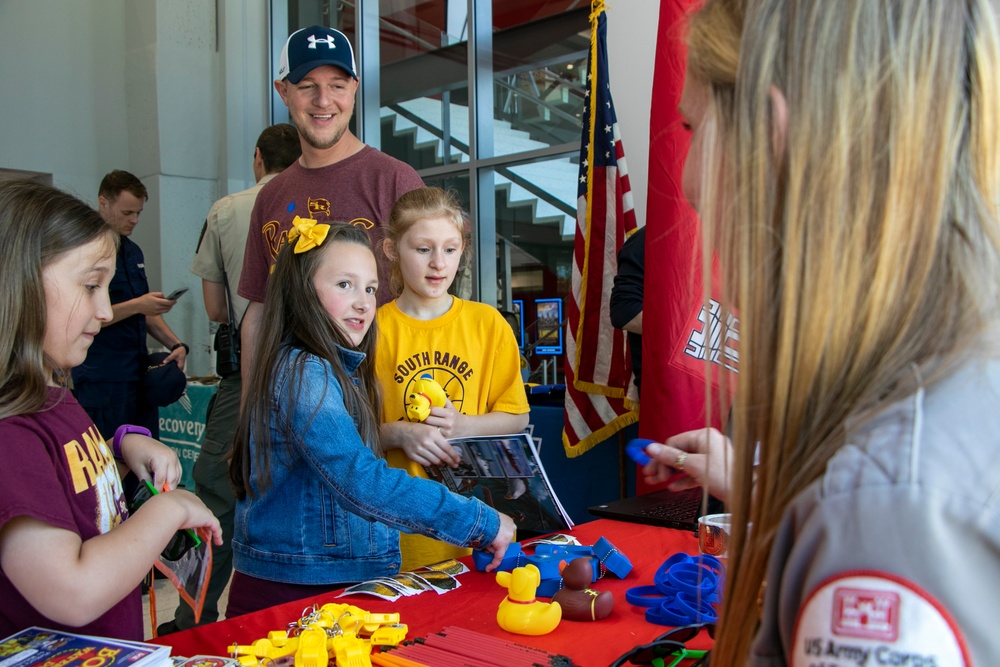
(472,353)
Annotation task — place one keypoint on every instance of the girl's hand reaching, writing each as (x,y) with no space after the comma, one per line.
(151,459)
(498,547)
(192,513)
(703,456)
(49,565)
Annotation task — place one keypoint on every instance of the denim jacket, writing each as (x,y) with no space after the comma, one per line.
(332,514)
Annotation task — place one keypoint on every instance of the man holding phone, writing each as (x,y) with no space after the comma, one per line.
(108,383)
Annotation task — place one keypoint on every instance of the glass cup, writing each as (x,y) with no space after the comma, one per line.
(713,535)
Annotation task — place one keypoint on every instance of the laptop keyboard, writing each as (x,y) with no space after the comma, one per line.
(682,509)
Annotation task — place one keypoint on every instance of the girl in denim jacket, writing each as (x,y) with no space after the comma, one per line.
(317,506)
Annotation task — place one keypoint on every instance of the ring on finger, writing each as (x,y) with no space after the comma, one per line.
(679,462)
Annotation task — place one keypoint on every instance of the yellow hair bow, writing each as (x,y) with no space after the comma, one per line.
(308,233)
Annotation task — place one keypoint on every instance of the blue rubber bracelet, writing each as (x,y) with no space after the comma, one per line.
(660,577)
(679,557)
(692,579)
(700,611)
(711,562)
(636,450)
(645,596)
(668,613)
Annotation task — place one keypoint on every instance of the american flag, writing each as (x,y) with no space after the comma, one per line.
(598,368)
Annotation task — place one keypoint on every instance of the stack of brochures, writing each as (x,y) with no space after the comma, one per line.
(38,646)
(505,472)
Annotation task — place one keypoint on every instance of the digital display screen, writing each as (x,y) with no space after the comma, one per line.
(548,324)
(517,307)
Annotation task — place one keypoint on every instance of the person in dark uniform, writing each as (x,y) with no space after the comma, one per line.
(108,383)
(626,297)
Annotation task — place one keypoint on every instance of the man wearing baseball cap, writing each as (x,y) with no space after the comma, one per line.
(337,178)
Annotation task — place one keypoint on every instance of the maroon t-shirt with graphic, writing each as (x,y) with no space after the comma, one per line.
(360,189)
(58,469)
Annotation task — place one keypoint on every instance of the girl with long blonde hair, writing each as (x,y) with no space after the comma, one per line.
(849,182)
(465,346)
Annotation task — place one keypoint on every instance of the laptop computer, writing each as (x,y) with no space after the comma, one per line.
(669,509)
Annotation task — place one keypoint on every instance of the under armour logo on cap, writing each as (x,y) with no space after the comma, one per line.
(301,53)
(328,40)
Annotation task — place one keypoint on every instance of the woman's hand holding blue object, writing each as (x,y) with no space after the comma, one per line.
(695,458)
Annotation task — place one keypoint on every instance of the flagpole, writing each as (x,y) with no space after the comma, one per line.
(596,7)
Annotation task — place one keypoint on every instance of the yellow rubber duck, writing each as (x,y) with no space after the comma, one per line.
(426,394)
(520,612)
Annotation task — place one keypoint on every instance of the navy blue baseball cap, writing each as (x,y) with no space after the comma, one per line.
(163,383)
(313,47)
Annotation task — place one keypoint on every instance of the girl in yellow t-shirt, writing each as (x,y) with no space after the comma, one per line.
(466,346)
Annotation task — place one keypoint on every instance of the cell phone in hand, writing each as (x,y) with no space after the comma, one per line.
(177,293)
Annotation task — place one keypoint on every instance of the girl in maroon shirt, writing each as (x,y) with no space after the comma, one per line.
(68,558)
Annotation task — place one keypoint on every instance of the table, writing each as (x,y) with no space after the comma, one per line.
(473,606)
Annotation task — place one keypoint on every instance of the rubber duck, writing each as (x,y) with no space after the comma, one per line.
(426,394)
(580,603)
(520,612)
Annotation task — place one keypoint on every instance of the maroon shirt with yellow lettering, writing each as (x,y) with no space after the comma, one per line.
(57,469)
(360,189)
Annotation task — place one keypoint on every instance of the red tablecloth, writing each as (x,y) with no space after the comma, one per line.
(473,606)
